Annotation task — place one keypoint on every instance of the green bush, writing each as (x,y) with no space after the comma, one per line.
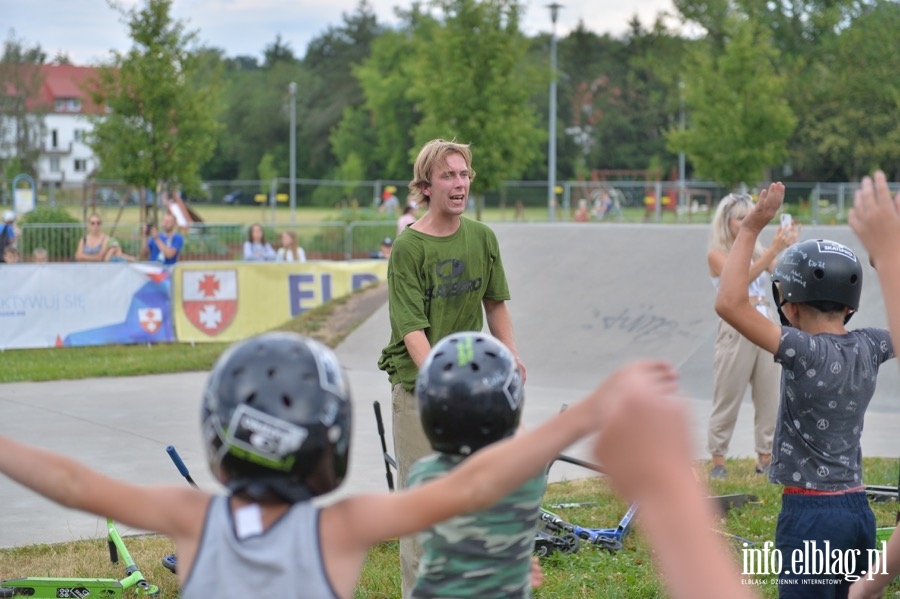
(60,241)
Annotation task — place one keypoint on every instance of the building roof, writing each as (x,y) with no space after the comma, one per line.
(60,83)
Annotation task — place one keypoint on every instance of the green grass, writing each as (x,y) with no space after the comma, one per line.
(58,363)
(591,573)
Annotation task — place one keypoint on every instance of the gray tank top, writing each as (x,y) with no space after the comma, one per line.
(284,561)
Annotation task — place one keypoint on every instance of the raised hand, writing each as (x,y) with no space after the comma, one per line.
(875,217)
(767,206)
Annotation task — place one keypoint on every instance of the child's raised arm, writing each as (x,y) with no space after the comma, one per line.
(175,511)
(732,303)
(491,473)
(644,446)
(875,218)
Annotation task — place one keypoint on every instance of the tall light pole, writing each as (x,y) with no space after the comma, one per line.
(292,89)
(681,198)
(551,153)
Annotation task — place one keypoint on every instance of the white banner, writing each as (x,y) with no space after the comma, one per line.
(53,305)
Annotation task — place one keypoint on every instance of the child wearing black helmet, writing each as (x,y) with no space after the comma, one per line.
(829,376)
(276,416)
(469,393)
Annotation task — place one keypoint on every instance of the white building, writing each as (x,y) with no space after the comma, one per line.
(66,159)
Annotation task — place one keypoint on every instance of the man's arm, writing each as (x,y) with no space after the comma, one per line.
(171,249)
(731,301)
(500,324)
(418,346)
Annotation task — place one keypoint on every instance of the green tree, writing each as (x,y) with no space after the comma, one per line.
(21,119)
(852,121)
(739,122)
(161,126)
(330,59)
(471,82)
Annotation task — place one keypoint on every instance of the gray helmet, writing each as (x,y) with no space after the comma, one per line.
(276,418)
(818,270)
(469,393)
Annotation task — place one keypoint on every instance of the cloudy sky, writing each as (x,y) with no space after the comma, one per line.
(87,29)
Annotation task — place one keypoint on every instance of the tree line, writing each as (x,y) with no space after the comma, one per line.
(805,90)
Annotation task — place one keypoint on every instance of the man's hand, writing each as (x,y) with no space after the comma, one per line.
(766,208)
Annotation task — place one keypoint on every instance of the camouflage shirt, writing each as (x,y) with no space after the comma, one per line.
(484,554)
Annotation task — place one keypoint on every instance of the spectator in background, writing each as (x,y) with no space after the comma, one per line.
(737,361)
(92,247)
(289,250)
(163,247)
(114,253)
(8,233)
(384,252)
(11,255)
(39,256)
(581,213)
(389,202)
(256,248)
(407,218)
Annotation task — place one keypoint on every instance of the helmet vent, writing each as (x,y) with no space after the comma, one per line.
(448,366)
(250,398)
(819,273)
(286,401)
(475,367)
(853,279)
(271,373)
(491,354)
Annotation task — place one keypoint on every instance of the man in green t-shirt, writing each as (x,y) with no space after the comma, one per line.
(442,271)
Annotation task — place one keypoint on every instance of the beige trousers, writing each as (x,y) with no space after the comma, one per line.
(410,444)
(738,362)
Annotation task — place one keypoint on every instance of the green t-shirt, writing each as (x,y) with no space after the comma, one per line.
(483,555)
(436,285)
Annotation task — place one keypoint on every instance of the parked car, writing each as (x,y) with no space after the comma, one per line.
(237,197)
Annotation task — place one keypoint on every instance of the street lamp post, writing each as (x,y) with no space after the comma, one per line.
(551,153)
(681,198)
(292,89)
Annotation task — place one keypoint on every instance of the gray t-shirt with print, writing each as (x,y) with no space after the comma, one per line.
(826,385)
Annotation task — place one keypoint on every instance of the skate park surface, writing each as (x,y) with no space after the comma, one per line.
(586,299)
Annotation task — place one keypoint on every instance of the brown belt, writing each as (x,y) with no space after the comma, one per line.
(802,491)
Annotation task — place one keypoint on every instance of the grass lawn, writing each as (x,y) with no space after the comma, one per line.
(590,573)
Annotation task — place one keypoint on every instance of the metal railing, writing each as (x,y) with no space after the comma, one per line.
(204,242)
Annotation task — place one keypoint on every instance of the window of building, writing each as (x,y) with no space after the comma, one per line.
(54,138)
(78,134)
(54,165)
(68,104)
(80,165)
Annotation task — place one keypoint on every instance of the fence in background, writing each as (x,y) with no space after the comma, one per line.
(320,241)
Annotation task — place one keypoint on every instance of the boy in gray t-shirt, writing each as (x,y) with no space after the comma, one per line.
(828,379)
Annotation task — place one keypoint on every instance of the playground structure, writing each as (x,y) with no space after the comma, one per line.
(636,187)
(95,194)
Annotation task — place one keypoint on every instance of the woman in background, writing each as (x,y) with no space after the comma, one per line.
(256,248)
(289,250)
(92,247)
(736,360)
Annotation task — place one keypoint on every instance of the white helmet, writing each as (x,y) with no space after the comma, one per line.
(9,216)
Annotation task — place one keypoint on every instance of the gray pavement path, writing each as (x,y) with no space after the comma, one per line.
(585,300)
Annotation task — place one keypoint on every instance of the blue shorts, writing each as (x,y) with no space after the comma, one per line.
(838,529)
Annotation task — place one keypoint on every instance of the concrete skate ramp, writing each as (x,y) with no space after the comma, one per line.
(588,298)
